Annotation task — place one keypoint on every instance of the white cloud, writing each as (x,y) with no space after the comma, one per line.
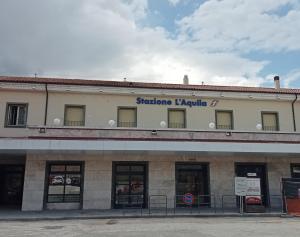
(243,26)
(292,77)
(102,39)
(174,2)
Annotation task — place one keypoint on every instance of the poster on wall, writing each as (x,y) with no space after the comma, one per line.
(253,191)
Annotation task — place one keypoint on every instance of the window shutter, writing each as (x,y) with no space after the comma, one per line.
(127,117)
(224,120)
(74,116)
(176,119)
(270,121)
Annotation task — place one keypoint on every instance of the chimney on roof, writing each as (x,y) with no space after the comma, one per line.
(185,80)
(277,82)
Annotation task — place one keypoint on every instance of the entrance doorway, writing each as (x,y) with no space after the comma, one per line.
(11,185)
(192,184)
(256,171)
(129,185)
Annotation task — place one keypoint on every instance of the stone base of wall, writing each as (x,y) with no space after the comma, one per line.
(161,180)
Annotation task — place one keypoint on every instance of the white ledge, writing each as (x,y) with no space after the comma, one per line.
(115,145)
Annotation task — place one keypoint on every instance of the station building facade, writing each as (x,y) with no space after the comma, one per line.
(91,144)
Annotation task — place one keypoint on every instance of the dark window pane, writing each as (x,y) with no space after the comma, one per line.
(22,115)
(189,167)
(74,168)
(72,198)
(137,168)
(56,189)
(122,189)
(69,189)
(122,179)
(55,198)
(13,114)
(58,168)
(137,199)
(122,200)
(122,168)
(137,178)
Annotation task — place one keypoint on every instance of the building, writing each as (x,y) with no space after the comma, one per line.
(85,144)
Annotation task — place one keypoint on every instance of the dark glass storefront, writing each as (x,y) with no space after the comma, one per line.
(255,171)
(11,185)
(129,184)
(192,184)
(64,182)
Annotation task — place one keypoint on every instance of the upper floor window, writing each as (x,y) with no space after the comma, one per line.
(270,121)
(176,118)
(16,115)
(224,119)
(74,115)
(127,117)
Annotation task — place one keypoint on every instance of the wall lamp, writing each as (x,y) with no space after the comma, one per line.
(56,121)
(111,122)
(163,124)
(211,125)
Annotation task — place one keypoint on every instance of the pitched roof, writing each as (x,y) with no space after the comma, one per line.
(128,84)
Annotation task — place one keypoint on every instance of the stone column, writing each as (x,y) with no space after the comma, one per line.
(34,181)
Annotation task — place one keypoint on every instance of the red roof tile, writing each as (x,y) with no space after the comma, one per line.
(61,81)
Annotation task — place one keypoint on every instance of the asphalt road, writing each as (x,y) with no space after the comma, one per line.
(156,227)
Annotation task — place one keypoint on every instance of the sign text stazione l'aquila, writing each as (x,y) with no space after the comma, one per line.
(178,102)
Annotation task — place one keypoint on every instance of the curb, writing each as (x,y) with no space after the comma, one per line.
(93,217)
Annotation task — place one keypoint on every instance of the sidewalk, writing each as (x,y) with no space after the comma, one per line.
(16,215)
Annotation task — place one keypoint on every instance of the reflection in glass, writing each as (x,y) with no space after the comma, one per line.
(129,185)
(64,183)
(55,189)
(73,168)
(58,168)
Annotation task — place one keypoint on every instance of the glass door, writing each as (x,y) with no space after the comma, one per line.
(192,185)
(11,185)
(256,172)
(129,185)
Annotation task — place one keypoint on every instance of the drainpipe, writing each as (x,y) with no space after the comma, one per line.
(293,110)
(46,104)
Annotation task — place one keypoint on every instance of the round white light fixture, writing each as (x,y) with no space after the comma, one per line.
(258,126)
(163,124)
(56,121)
(211,125)
(111,122)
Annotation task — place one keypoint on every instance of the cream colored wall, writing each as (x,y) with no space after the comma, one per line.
(101,108)
(35,115)
(248,113)
(297,114)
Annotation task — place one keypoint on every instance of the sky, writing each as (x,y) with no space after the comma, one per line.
(219,42)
